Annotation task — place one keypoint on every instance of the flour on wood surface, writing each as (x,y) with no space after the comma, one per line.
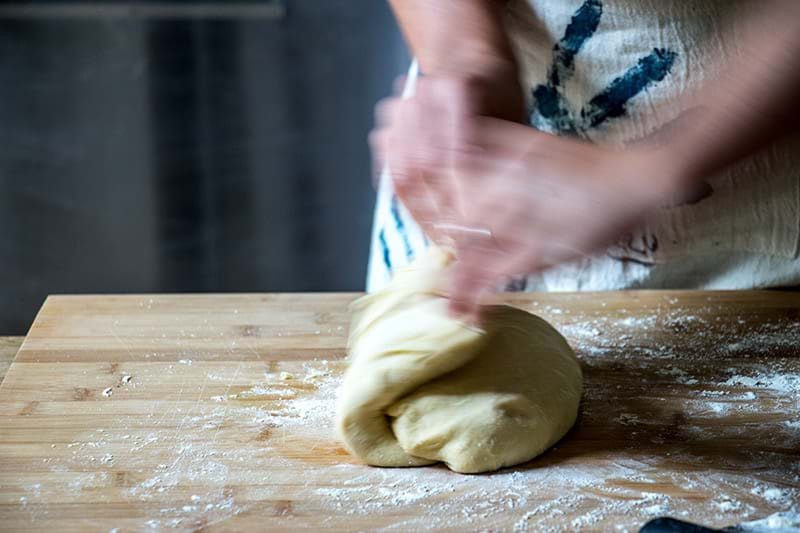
(267,433)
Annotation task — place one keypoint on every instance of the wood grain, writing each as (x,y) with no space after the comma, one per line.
(8,350)
(214,412)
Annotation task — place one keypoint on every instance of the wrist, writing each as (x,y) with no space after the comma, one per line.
(672,178)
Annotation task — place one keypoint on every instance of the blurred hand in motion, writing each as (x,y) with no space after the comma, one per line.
(539,200)
(418,137)
(512,199)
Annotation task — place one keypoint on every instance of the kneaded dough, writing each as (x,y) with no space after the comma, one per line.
(423,387)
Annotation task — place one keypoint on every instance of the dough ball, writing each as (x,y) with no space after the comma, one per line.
(422,387)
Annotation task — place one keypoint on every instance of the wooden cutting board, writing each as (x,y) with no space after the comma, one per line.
(8,350)
(139,413)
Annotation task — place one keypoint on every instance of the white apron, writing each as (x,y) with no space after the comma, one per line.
(612,72)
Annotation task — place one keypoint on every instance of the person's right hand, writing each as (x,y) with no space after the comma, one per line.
(416,137)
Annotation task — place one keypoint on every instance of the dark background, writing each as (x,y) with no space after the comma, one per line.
(173,150)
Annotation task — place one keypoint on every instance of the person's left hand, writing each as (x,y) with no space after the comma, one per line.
(418,136)
(531,200)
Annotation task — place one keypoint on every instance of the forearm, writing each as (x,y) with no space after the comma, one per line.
(456,36)
(754,103)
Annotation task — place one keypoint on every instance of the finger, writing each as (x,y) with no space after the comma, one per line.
(445,214)
(479,274)
(486,258)
(419,137)
(469,280)
(472,275)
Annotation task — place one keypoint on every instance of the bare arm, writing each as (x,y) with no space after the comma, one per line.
(756,102)
(455,36)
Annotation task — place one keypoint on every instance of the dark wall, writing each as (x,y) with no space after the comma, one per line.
(157,154)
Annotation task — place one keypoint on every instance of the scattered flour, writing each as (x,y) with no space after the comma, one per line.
(627,419)
(785,522)
(776,381)
(282,427)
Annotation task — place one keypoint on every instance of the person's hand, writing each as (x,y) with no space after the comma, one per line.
(418,136)
(531,200)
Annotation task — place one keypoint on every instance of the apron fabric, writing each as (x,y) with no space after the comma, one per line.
(613,72)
